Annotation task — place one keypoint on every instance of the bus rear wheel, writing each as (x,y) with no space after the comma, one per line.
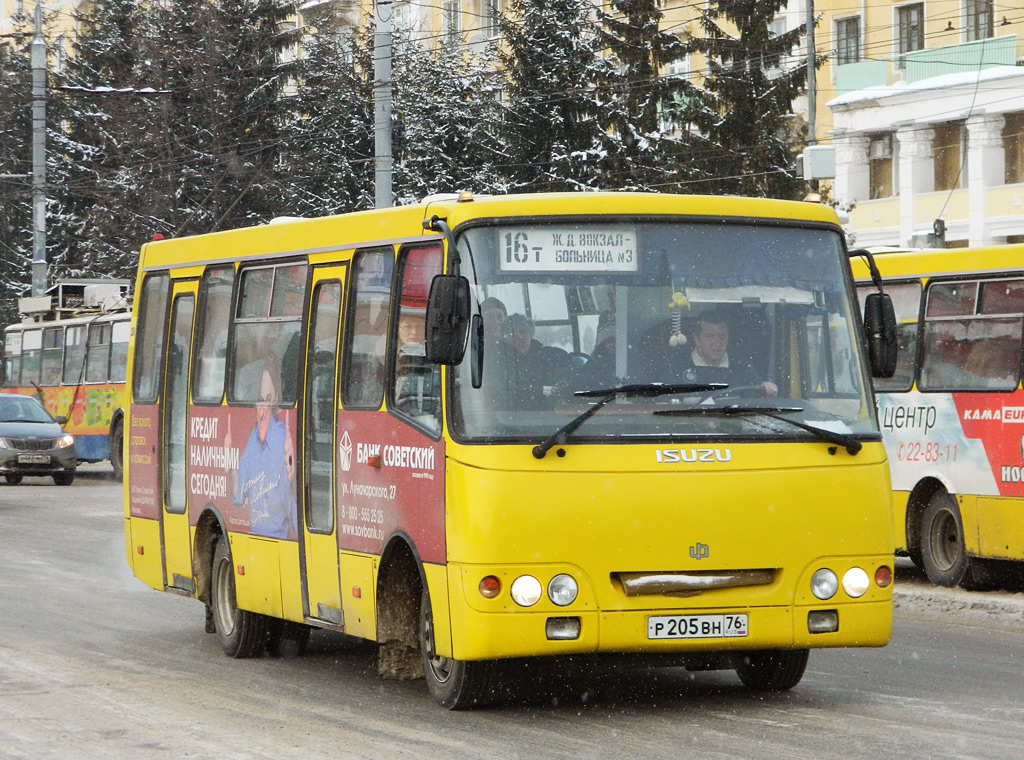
(943,554)
(117,450)
(454,684)
(241,633)
(776,670)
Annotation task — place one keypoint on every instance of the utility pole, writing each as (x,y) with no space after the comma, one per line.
(382,105)
(812,104)
(38,60)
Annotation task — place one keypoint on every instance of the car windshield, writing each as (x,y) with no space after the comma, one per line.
(570,308)
(22,409)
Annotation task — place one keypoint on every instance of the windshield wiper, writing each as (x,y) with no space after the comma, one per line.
(851,444)
(643,390)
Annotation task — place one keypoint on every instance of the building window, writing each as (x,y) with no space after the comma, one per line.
(880,166)
(451,22)
(1013,144)
(949,151)
(848,40)
(491,12)
(910,27)
(979,19)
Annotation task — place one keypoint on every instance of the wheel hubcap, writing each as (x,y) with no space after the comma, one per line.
(440,667)
(225,607)
(945,540)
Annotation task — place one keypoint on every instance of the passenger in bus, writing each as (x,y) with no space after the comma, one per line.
(494,314)
(416,386)
(264,480)
(709,360)
(533,371)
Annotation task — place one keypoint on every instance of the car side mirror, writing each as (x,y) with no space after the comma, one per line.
(880,333)
(447,319)
(61,420)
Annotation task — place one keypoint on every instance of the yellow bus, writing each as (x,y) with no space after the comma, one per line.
(474,430)
(73,359)
(952,413)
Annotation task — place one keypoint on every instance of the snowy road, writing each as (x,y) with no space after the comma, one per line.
(95,665)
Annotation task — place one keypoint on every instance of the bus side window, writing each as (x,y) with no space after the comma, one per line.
(416,384)
(215,291)
(97,360)
(53,355)
(980,348)
(366,323)
(31,348)
(12,360)
(120,331)
(149,342)
(906,300)
(266,330)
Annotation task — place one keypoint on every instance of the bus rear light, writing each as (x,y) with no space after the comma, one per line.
(562,629)
(883,576)
(855,582)
(822,621)
(489,587)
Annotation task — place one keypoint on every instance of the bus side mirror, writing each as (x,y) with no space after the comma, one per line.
(880,332)
(447,319)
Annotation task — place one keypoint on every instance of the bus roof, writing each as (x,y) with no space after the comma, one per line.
(931,262)
(404,223)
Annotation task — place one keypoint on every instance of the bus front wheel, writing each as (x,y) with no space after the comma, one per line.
(943,554)
(241,633)
(774,670)
(454,684)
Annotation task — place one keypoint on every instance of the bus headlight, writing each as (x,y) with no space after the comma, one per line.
(526,590)
(66,440)
(824,584)
(562,590)
(855,582)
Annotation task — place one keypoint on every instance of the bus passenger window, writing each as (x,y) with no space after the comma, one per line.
(53,354)
(362,384)
(416,386)
(267,330)
(119,334)
(31,348)
(215,292)
(97,362)
(149,343)
(976,351)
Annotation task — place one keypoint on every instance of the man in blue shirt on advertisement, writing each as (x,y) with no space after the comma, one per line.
(266,471)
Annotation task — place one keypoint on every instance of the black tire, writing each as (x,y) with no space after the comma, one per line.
(286,638)
(943,554)
(117,450)
(776,670)
(64,478)
(13,479)
(241,633)
(455,684)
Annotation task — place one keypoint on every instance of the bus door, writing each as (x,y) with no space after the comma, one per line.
(174,524)
(322,583)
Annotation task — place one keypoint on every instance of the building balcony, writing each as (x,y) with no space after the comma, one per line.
(924,64)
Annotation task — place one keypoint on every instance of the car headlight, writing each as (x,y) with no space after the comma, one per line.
(65,441)
(526,590)
(4,444)
(563,589)
(824,584)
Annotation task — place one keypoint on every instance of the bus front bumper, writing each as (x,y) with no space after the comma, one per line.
(521,633)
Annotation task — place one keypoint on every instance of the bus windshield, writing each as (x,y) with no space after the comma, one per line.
(570,308)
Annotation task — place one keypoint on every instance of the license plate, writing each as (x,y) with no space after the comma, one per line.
(33,458)
(697,626)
